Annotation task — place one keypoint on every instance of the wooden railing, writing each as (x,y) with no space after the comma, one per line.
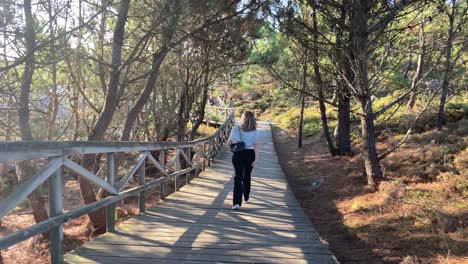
(58,155)
(225,111)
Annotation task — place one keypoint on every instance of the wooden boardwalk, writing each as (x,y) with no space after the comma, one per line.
(196,224)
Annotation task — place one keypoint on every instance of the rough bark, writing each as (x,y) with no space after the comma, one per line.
(181,120)
(447,68)
(100,55)
(105,117)
(343,137)
(371,161)
(419,69)
(25,168)
(304,88)
(157,59)
(145,94)
(301,121)
(319,83)
(53,102)
(204,99)
(360,46)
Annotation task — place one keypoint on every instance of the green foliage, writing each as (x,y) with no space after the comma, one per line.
(459,104)
(290,120)
(214,114)
(269,47)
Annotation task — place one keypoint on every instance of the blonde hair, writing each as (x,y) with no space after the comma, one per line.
(248,122)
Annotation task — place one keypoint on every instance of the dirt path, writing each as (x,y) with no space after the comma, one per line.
(319,184)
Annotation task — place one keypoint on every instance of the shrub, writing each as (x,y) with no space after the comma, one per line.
(205,130)
(290,120)
(461,162)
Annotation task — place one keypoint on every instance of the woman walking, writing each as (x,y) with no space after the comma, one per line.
(244,159)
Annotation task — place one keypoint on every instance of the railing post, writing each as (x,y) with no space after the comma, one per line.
(187,175)
(208,153)
(198,153)
(110,209)
(177,168)
(141,181)
(56,208)
(163,186)
(203,158)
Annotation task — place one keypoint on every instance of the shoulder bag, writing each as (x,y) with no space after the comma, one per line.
(236,147)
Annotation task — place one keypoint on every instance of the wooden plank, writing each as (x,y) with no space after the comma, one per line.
(196,224)
(305,249)
(269,239)
(137,251)
(151,258)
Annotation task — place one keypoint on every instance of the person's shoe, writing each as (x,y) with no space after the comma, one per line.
(235,207)
(246,201)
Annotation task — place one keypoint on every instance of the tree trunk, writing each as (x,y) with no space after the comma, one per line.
(360,45)
(371,161)
(344,125)
(105,117)
(419,69)
(408,66)
(181,121)
(54,102)
(319,84)
(447,69)
(204,99)
(343,135)
(144,96)
(158,57)
(301,120)
(303,88)
(25,168)
(100,55)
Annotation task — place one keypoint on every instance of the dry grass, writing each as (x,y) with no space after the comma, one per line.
(419,214)
(76,232)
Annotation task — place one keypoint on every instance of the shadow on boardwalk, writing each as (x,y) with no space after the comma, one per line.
(196,224)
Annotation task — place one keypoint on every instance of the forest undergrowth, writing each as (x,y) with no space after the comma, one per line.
(418,214)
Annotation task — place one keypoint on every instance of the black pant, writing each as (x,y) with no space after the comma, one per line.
(242,162)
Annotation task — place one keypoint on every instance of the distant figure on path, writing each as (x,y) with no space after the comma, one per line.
(231,103)
(221,101)
(244,160)
(212,101)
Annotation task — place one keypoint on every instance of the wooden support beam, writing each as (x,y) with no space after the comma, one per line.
(141,181)
(56,209)
(163,186)
(53,170)
(44,226)
(110,209)
(126,179)
(90,176)
(27,187)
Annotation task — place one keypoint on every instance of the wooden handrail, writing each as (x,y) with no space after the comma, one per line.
(204,150)
(26,150)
